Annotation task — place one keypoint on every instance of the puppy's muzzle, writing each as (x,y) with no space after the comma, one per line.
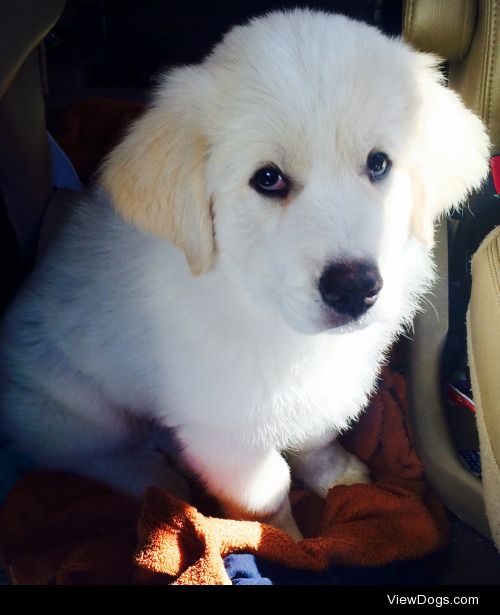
(350,288)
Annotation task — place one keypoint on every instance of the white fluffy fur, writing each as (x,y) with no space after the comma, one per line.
(113,338)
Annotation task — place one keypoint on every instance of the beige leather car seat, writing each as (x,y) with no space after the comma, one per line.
(25,160)
(465,33)
(483,336)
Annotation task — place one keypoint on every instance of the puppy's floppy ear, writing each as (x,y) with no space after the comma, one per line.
(453,151)
(156,175)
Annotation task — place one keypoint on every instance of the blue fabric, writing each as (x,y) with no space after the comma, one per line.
(245,569)
(63,172)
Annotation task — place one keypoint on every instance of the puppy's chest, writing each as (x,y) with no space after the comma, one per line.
(317,398)
(276,401)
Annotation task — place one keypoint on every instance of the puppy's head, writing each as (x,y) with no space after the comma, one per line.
(306,159)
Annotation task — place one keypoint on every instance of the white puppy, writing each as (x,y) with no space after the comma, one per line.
(254,245)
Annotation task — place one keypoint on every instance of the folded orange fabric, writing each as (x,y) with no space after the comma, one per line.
(58,528)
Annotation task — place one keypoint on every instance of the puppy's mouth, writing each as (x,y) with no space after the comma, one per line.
(320,319)
(342,323)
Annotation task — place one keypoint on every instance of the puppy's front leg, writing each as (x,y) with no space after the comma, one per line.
(250,483)
(322,467)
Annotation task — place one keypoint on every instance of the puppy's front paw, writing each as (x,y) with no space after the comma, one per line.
(355,472)
(323,468)
(283,519)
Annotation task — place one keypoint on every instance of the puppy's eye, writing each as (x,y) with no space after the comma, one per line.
(270,181)
(378,165)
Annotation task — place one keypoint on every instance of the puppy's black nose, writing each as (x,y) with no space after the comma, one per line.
(350,287)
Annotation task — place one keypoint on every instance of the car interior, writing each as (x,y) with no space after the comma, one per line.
(74,68)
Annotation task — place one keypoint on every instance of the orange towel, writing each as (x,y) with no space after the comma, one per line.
(58,528)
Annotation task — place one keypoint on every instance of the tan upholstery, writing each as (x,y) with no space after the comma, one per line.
(466,33)
(483,333)
(443,28)
(24,24)
(477,78)
(25,162)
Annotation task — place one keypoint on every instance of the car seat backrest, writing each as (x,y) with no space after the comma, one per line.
(25,164)
(466,34)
